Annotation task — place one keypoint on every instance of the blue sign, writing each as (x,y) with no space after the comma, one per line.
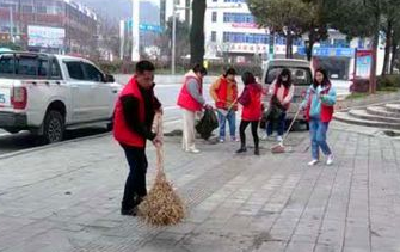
(329,52)
(144,27)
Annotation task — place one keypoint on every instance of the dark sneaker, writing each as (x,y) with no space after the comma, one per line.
(241,150)
(130,212)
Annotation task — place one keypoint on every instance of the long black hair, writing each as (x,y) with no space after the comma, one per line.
(248,78)
(280,82)
(325,81)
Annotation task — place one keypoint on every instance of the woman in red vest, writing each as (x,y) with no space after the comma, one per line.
(191,101)
(250,99)
(282,92)
(134,114)
(225,93)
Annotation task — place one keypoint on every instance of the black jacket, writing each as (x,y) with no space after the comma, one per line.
(130,108)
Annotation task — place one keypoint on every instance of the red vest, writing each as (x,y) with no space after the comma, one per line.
(285,94)
(252,111)
(326,110)
(121,131)
(222,95)
(185,100)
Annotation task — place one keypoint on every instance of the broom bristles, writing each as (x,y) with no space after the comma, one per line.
(162,206)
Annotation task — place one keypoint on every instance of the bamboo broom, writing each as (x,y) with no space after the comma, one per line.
(162,206)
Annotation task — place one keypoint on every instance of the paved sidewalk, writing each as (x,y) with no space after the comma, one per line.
(67,198)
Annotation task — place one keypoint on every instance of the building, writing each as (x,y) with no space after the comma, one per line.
(231,31)
(163,14)
(183,9)
(54,26)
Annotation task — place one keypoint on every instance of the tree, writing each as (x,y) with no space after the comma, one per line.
(197,32)
(360,18)
(182,38)
(285,17)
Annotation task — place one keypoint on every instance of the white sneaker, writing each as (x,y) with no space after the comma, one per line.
(221,140)
(329,160)
(194,151)
(313,162)
(279,138)
(264,137)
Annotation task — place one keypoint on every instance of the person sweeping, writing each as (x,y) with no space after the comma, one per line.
(282,92)
(134,114)
(319,102)
(225,93)
(250,99)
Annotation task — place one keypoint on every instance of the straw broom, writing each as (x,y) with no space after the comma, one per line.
(162,206)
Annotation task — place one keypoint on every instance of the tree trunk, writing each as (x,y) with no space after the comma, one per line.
(288,43)
(375,41)
(197,32)
(394,53)
(388,45)
(310,46)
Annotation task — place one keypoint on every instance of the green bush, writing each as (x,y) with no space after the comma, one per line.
(388,82)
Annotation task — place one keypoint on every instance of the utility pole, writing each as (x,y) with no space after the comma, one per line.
(173,54)
(136,31)
(12,24)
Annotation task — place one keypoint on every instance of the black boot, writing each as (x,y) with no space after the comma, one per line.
(242,149)
(256,149)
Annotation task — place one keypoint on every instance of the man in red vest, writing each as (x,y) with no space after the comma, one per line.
(134,115)
(225,93)
(191,101)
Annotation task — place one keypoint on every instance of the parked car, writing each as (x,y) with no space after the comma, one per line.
(301,76)
(47,94)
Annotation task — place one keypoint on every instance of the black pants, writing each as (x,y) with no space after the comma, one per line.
(254,131)
(135,186)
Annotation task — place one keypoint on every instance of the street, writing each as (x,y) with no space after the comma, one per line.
(167,89)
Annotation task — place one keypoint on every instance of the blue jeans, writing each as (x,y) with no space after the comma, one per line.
(231,117)
(280,124)
(318,137)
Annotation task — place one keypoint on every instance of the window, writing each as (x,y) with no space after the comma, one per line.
(41,9)
(238,18)
(6,65)
(55,72)
(92,73)
(27,65)
(43,68)
(214,17)
(75,70)
(213,36)
(27,9)
(299,76)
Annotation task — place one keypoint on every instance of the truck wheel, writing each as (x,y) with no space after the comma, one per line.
(53,128)
(13,132)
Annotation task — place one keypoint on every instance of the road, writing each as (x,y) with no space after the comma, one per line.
(167,89)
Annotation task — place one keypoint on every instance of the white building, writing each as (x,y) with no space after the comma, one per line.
(230,30)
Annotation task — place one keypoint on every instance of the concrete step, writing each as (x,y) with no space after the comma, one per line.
(382,111)
(365,115)
(347,118)
(393,107)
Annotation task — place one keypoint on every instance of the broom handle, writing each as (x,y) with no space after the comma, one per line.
(159,149)
(291,124)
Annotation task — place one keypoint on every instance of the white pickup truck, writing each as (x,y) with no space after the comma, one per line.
(47,94)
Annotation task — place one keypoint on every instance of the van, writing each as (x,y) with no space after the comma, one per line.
(301,76)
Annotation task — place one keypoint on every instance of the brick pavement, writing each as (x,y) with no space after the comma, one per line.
(66,199)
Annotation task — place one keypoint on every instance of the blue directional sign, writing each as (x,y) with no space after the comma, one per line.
(144,27)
